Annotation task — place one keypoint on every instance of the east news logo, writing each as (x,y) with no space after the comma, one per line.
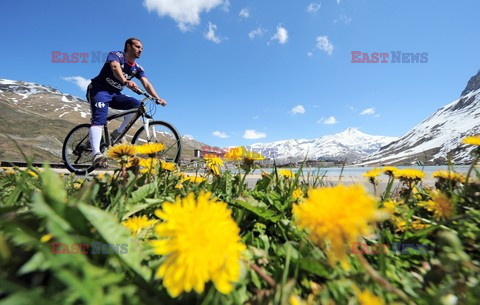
(398,57)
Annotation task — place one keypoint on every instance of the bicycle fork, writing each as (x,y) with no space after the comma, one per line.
(146,125)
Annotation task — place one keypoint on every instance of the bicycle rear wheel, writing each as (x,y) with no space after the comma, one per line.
(77,151)
(161,132)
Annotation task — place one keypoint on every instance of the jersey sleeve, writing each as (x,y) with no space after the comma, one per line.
(113,56)
(140,73)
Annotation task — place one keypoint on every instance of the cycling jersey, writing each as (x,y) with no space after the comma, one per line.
(106,80)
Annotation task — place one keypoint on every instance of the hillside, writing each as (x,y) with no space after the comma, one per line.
(39,117)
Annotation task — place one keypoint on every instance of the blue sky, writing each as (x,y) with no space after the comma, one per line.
(239,72)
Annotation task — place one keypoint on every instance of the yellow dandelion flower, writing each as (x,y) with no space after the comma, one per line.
(472,140)
(297,194)
(441,205)
(401,224)
(121,152)
(428,205)
(213,163)
(390,206)
(253,155)
(389,170)
(449,175)
(234,154)
(169,166)
(149,149)
(32,173)
(201,242)
(132,164)
(10,171)
(295,300)
(148,163)
(367,298)
(340,214)
(137,223)
(372,175)
(410,174)
(179,186)
(418,225)
(192,179)
(286,173)
(46,238)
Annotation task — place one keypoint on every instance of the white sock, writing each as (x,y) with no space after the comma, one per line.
(95,138)
(125,122)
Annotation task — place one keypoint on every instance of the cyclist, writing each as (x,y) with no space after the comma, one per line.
(104,91)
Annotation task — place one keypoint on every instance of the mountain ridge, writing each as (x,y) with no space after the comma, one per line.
(350,144)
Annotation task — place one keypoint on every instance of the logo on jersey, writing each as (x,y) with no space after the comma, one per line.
(113,83)
(99,104)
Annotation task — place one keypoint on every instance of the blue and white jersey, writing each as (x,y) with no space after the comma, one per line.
(106,80)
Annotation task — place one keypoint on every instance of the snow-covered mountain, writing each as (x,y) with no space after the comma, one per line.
(439,136)
(351,144)
(44,100)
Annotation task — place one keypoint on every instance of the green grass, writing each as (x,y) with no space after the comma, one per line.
(280,260)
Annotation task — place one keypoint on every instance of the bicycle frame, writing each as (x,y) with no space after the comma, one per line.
(140,112)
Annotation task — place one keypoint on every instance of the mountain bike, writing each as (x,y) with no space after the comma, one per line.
(77,151)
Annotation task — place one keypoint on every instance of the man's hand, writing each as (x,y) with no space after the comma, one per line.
(161,101)
(131,85)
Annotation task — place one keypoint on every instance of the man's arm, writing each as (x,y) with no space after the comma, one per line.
(149,87)
(118,73)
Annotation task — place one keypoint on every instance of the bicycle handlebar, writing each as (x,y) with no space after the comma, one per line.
(141,92)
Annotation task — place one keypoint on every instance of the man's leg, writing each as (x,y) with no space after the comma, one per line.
(95,138)
(124,102)
(99,107)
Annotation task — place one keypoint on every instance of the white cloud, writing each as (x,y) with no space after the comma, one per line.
(338,1)
(244,13)
(298,109)
(210,35)
(368,111)
(309,54)
(343,18)
(323,44)
(256,117)
(220,134)
(226,6)
(257,32)
(79,81)
(313,7)
(185,12)
(252,134)
(328,121)
(281,35)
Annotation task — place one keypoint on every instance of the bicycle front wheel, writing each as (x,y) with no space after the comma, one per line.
(77,151)
(161,132)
